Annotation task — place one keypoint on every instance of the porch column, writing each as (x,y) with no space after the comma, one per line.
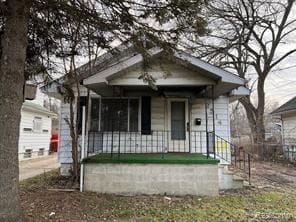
(189,122)
(214,134)
(206,114)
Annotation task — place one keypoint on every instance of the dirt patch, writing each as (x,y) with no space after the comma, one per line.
(276,174)
(257,203)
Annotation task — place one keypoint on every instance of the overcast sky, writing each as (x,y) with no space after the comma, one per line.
(281,84)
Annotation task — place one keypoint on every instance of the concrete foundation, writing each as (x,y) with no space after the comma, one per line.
(170,179)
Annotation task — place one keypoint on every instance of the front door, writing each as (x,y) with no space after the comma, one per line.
(178,118)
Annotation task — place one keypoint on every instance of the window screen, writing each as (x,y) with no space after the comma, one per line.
(114,114)
(95,114)
(134,114)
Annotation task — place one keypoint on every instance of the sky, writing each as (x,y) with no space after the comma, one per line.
(281,84)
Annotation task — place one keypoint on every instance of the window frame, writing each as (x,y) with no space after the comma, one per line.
(35,122)
(128,112)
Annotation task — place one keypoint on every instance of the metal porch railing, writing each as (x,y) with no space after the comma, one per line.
(236,156)
(154,141)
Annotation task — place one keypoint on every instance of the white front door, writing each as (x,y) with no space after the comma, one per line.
(178,140)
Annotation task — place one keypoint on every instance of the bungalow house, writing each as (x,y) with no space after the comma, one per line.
(165,138)
(287,114)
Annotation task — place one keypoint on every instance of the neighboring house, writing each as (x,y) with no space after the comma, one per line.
(287,113)
(185,119)
(35,130)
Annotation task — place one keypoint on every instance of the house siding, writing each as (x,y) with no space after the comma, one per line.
(222,122)
(289,129)
(166,73)
(30,140)
(158,113)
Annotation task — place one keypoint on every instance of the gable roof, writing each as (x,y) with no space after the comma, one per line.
(136,58)
(125,56)
(289,106)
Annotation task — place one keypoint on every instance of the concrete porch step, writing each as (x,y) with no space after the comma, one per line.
(228,179)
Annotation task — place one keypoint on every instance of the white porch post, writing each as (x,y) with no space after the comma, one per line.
(82,155)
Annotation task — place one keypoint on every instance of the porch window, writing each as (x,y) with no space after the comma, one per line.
(133,115)
(95,114)
(119,114)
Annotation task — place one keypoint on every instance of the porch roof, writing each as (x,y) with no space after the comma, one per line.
(125,57)
(224,81)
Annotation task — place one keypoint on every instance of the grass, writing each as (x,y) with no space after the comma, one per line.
(41,181)
(167,158)
(247,205)
(268,204)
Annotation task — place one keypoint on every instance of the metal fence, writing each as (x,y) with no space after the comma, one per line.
(273,152)
(154,141)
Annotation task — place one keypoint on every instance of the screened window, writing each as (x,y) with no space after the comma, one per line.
(146,115)
(134,115)
(119,114)
(95,114)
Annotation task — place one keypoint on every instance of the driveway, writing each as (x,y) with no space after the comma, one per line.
(34,167)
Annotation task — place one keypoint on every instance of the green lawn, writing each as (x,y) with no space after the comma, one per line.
(167,158)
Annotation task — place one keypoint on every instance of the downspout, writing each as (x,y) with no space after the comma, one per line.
(82,155)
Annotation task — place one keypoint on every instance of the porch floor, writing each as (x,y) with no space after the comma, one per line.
(152,158)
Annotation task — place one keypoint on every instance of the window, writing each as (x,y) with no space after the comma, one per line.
(28,153)
(95,114)
(116,114)
(41,151)
(133,115)
(37,124)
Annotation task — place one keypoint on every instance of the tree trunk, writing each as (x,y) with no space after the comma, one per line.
(75,142)
(12,61)
(260,129)
(256,117)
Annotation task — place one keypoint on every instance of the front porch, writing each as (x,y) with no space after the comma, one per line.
(158,124)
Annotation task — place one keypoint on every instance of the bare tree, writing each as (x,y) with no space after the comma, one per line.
(39,24)
(248,36)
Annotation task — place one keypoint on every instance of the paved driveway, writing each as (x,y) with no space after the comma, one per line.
(34,167)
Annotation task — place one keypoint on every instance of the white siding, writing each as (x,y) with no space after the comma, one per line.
(222,125)
(34,140)
(289,129)
(64,150)
(167,74)
(157,113)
